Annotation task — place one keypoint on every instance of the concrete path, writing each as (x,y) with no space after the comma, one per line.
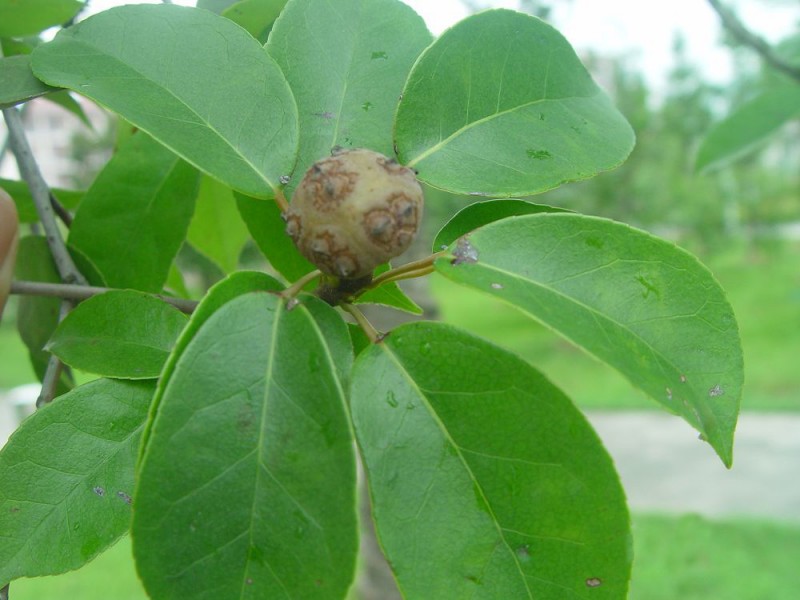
(665,467)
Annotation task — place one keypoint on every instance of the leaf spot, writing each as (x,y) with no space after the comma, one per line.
(497,286)
(327,115)
(669,394)
(15,509)
(379,54)
(648,287)
(524,553)
(391,400)
(284,179)
(595,242)
(99,491)
(716,391)
(124,497)
(292,304)
(683,378)
(249,581)
(465,252)
(538,154)
(594,582)
(366,106)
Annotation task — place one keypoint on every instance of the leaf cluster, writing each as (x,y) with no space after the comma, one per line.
(225,441)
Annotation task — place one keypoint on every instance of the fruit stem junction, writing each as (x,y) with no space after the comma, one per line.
(280,200)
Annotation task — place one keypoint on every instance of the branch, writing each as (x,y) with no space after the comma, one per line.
(41,197)
(748,38)
(82,292)
(54,367)
(63,213)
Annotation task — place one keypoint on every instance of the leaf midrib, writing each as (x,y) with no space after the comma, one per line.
(280,307)
(435,416)
(441,144)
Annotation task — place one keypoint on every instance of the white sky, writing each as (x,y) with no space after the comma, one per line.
(643,30)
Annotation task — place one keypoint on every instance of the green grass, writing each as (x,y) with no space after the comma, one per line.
(763,286)
(676,558)
(690,558)
(110,576)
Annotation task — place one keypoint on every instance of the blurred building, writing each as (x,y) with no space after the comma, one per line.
(51,130)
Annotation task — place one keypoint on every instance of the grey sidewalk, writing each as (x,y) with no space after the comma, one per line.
(665,467)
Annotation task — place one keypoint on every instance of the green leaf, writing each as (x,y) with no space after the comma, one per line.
(67,476)
(26,209)
(217,229)
(134,218)
(346,62)
(358,338)
(749,125)
(216,6)
(175,283)
(18,19)
(17,82)
(486,482)
(485,212)
(256,16)
(268,508)
(119,333)
(86,267)
(195,81)
(636,302)
(37,316)
(268,229)
(500,105)
(389,294)
(221,293)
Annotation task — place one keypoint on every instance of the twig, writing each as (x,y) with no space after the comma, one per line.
(41,197)
(82,292)
(417,268)
(54,366)
(63,213)
(373,334)
(748,38)
(298,285)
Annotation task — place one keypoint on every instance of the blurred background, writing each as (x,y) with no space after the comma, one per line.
(701,532)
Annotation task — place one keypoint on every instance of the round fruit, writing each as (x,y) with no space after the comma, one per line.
(353,211)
